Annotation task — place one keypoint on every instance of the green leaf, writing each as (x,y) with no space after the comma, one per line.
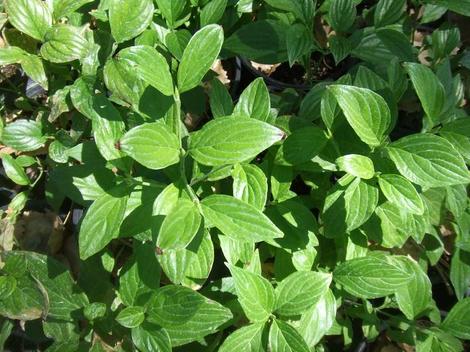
(284,338)
(151,337)
(366,111)
(254,101)
(131,317)
(301,146)
(263,41)
(101,223)
(172,10)
(212,12)
(456,199)
(250,185)
(31,17)
(245,339)
(317,321)
(255,294)
(151,144)
(185,314)
(388,12)
(232,139)
(300,291)
(457,322)
(372,276)
(342,14)
(64,8)
(34,68)
(220,100)
(64,43)
(11,55)
(356,165)
(401,192)
(460,6)
(7,286)
(238,219)
(180,226)
(199,55)
(303,10)
(299,42)
(414,297)
(150,66)
(129,18)
(14,171)
(23,135)
(361,198)
(429,161)
(429,89)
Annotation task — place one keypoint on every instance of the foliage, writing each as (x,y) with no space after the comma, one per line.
(251,221)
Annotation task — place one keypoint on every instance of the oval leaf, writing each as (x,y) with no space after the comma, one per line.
(401,192)
(129,18)
(356,165)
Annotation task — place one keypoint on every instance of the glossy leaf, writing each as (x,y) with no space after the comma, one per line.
(401,192)
(31,17)
(366,111)
(199,55)
(150,66)
(457,322)
(232,139)
(212,12)
(238,219)
(151,337)
(64,43)
(151,144)
(284,338)
(180,226)
(429,161)
(14,171)
(245,339)
(129,18)
(300,291)
(254,101)
(371,276)
(23,135)
(255,294)
(250,185)
(131,317)
(356,165)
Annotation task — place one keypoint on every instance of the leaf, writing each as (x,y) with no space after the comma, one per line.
(180,226)
(255,294)
(11,55)
(460,6)
(229,140)
(151,144)
(250,185)
(284,338)
(131,317)
(388,12)
(300,291)
(367,112)
(356,165)
(254,101)
(34,68)
(342,14)
(185,314)
(129,18)
(317,321)
(361,198)
(150,66)
(220,100)
(31,17)
(299,42)
(199,55)
(238,220)
(457,322)
(428,160)
(151,337)
(172,10)
(14,171)
(23,135)
(400,192)
(101,223)
(414,297)
(64,43)
(212,12)
(64,8)
(301,146)
(262,41)
(7,286)
(372,276)
(429,89)
(245,339)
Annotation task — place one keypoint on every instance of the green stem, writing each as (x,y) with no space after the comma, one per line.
(187,186)
(206,176)
(176,122)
